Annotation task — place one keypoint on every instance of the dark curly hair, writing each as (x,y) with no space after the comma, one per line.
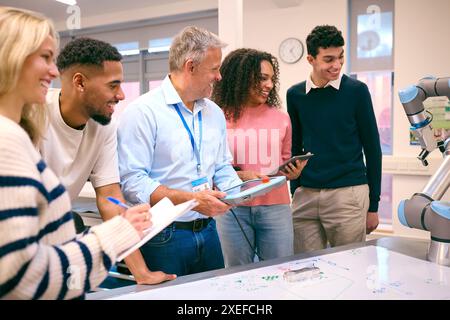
(241,71)
(86,51)
(324,36)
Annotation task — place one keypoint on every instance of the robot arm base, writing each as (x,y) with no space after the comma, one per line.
(439,252)
(421,212)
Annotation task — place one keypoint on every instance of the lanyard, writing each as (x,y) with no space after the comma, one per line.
(191,136)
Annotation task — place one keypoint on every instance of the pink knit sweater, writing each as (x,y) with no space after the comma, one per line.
(260,141)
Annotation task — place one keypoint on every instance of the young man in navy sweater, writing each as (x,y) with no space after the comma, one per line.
(336,198)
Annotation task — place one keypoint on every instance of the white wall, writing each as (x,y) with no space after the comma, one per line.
(266,25)
(231,24)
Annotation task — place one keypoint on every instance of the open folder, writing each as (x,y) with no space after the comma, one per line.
(163,214)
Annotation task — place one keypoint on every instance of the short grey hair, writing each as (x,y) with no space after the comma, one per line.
(192,43)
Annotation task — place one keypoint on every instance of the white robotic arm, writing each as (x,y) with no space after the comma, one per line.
(412,99)
(424,211)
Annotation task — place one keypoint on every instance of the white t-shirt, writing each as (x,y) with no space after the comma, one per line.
(76,155)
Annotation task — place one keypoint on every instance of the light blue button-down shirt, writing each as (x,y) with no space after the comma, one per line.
(154,147)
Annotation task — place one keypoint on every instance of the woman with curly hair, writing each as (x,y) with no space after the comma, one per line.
(259,135)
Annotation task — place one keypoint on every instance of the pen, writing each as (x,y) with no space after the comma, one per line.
(123,205)
(118,202)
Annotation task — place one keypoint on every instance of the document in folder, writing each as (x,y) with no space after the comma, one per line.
(163,214)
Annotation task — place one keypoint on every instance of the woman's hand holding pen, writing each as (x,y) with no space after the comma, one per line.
(140,217)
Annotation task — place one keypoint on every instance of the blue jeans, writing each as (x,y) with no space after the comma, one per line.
(183,252)
(269,229)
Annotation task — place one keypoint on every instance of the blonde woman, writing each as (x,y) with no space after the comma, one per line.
(40,257)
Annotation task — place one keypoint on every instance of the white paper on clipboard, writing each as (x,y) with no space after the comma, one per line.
(163,214)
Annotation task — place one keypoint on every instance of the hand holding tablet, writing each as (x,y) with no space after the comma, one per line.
(250,189)
(293,161)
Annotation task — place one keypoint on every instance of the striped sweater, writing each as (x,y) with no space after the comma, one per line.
(40,255)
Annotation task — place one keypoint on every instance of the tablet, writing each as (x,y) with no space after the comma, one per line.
(292,160)
(250,189)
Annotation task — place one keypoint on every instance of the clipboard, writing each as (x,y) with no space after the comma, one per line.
(163,214)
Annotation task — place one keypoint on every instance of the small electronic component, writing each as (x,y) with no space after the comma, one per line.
(302,274)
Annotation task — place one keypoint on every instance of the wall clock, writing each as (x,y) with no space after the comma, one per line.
(291,50)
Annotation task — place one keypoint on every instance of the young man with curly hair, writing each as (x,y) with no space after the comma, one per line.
(80,142)
(336,198)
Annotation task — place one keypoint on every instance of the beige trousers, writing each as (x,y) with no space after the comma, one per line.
(337,216)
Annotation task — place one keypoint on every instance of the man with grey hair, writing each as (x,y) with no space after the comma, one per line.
(172,143)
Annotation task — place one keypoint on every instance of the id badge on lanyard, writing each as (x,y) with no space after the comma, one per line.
(201,183)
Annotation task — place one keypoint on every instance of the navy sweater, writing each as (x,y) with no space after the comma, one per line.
(337,126)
